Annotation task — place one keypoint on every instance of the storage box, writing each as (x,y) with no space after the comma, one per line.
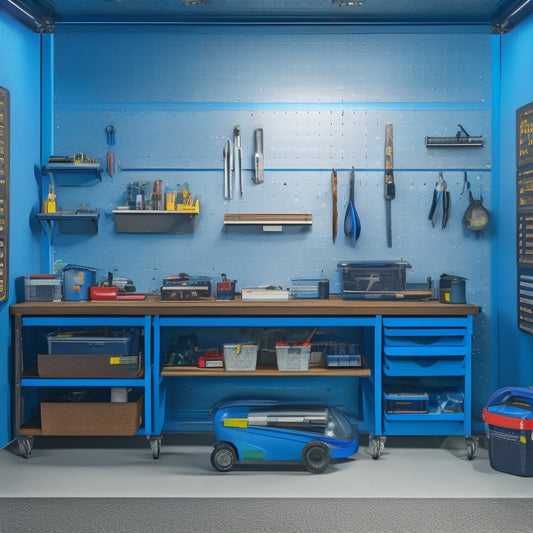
(362,279)
(182,287)
(509,420)
(407,401)
(77,280)
(240,356)
(42,288)
(307,287)
(91,418)
(66,343)
(343,354)
(89,366)
(293,357)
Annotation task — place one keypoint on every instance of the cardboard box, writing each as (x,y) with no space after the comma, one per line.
(91,418)
(89,366)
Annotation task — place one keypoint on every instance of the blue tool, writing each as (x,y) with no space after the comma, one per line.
(352,224)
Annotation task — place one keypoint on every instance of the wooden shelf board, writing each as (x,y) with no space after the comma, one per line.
(314,370)
(265,219)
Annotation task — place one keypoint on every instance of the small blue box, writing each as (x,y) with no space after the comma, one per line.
(76,282)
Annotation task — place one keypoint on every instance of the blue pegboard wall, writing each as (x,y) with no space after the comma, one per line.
(323,99)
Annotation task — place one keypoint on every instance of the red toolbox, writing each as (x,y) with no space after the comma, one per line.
(508,416)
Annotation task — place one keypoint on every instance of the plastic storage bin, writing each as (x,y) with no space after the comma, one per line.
(293,357)
(65,343)
(508,416)
(363,279)
(406,401)
(308,288)
(77,280)
(240,357)
(343,354)
(42,289)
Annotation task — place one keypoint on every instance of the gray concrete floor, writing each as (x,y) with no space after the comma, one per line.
(423,468)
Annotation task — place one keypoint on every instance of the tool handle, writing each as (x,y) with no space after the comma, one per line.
(390,191)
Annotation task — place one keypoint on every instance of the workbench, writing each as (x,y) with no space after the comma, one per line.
(402,341)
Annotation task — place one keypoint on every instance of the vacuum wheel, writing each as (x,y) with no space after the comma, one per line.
(223,457)
(316,457)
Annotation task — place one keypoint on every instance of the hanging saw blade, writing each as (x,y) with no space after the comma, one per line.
(390,192)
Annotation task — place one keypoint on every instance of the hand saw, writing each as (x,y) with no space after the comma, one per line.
(389,182)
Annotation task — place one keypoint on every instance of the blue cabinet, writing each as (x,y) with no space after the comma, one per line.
(426,377)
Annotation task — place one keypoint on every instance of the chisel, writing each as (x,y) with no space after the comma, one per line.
(258,156)
(389,182)
(237,157)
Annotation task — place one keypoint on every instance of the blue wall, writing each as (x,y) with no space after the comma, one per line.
(20,74)
(515,349)
(323,96)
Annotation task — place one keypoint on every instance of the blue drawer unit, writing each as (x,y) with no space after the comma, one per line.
(432,356)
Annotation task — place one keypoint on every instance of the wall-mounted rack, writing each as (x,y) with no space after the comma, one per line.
(74,175)
(462,138)
(269,221)
(152,221)
(70,223)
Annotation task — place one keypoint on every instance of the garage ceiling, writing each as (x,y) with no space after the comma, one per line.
(499,15)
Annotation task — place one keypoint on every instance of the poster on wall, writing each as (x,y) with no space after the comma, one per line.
(524,215)
(4,191)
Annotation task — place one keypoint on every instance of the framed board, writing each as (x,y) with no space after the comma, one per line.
(4,192)
(524,216)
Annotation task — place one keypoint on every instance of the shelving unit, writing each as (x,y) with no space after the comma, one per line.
(68,222)
(32,392)
(266,379)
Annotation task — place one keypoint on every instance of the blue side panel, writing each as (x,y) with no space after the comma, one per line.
(515,348)
(20,74)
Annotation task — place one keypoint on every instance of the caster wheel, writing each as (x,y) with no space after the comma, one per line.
(471,448)
(376,445)
(155,444)
(25,446)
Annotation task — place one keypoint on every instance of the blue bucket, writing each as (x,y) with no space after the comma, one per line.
(76,282)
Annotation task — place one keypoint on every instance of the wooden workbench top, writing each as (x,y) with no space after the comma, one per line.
(334,306)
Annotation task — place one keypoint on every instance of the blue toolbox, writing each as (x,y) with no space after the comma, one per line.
(508,416)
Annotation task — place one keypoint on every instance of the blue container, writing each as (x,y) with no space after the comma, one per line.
(509,419)
(76,282)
